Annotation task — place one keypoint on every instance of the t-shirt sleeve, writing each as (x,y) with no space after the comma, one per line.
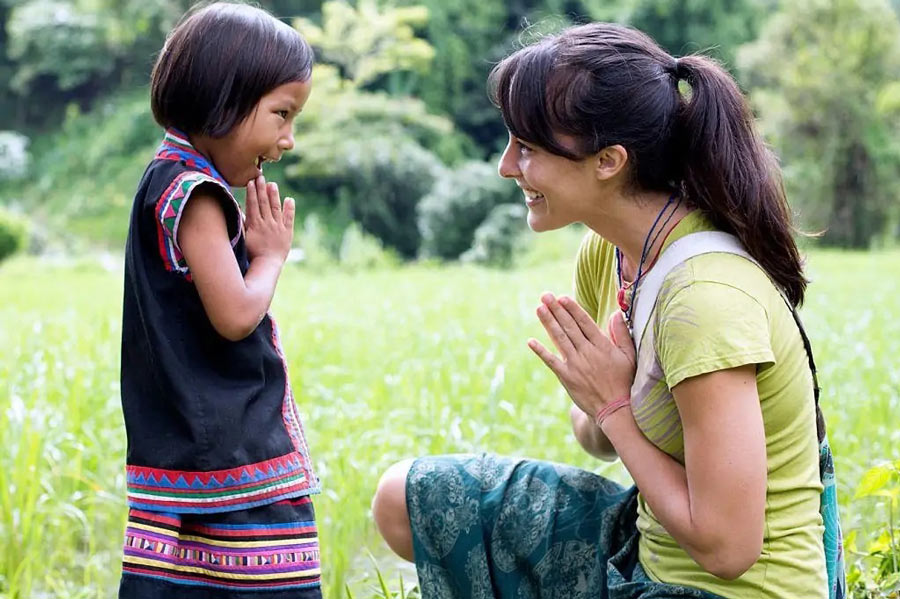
(170,207)
(708,326)
(595,277)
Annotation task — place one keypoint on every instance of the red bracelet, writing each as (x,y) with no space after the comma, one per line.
(611,407)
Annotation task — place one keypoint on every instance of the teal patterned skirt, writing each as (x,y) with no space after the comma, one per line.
(489,527)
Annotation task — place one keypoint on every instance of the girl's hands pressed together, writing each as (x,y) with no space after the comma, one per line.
(594,368)
(269,226)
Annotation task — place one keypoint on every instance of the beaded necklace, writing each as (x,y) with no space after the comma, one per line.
(627,306)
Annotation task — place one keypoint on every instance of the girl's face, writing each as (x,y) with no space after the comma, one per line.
(263,136)
(558,191)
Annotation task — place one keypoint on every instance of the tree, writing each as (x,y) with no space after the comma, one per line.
(824,75)
(716,27)
(366,41)
(470,37)
(367,155)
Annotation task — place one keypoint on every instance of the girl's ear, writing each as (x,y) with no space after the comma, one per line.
(611,161)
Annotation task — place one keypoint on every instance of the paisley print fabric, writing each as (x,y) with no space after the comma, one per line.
(489,527)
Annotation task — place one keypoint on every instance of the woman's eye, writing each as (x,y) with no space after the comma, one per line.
(523,149)
(282,113)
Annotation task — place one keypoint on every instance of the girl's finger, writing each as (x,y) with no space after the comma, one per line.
(252,202)
(262,193)
(584,321)
(552,362)
(557,334)
(289,208)
(274,200)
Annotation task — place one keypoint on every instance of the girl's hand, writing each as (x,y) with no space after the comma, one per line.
(594,369)
(269,227)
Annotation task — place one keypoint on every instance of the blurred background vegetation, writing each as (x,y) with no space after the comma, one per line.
(395,163)
(400,139)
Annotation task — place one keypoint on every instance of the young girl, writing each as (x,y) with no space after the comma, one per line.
(713,413)
(218,471)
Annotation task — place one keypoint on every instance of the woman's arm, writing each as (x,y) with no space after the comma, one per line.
(590,437)
(714,505)
(235,304)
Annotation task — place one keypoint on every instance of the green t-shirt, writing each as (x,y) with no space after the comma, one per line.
(714,312)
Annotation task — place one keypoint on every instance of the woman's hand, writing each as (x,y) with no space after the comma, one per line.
(594,369)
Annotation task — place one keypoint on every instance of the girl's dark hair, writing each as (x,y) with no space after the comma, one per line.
(605,84)
(218,62)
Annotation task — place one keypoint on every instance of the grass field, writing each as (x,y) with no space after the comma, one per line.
(384,365)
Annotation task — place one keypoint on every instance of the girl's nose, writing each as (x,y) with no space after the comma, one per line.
(508,167)
(286,143)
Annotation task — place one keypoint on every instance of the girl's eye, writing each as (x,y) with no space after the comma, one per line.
(282,113)
(524,150)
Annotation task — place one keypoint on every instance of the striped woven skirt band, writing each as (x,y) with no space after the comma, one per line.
(218,551)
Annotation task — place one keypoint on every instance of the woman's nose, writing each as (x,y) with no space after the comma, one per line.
(508,167)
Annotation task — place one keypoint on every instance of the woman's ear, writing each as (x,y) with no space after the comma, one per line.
(611,161)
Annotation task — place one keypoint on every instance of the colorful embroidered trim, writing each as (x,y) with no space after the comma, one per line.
(289,414)
(169,209)
(248,486)
(225,556)
(176,146)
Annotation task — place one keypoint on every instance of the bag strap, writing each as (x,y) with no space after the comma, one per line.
(697,244)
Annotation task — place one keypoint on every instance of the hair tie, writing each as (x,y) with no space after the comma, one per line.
(680,70)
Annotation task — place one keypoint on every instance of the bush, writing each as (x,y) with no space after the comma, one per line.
(876,572)
(496,239)
(313,245)
(361,251)
(382,186)
(13,234)
(458,203)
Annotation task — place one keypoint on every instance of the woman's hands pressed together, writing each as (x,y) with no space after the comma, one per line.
(595,368)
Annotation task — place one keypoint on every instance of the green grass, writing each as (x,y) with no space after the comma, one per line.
(384,365)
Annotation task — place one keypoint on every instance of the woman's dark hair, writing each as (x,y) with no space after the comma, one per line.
(605,84)
(218,62)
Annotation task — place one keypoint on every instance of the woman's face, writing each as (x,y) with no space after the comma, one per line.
(557,190)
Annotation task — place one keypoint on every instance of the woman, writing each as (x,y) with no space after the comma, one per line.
(721,436)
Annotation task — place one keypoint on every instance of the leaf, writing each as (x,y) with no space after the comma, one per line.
(874,480)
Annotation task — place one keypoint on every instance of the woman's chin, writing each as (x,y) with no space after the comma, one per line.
(540,223)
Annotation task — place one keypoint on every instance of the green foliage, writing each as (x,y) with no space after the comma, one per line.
(716,27)
(824,75)
(362,252)
(369,157)
(876,571)
(61,51)
(496,239)
(69,47)
(366,40)
(458,203)
(469,37)
(13,234)
(386,183)
(14,156)
(85,179)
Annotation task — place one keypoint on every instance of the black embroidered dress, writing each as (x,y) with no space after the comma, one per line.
(218,470)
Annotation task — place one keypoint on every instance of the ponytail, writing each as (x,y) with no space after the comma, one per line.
(731,175)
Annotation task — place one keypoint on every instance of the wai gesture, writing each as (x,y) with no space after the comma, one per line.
(596,369)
